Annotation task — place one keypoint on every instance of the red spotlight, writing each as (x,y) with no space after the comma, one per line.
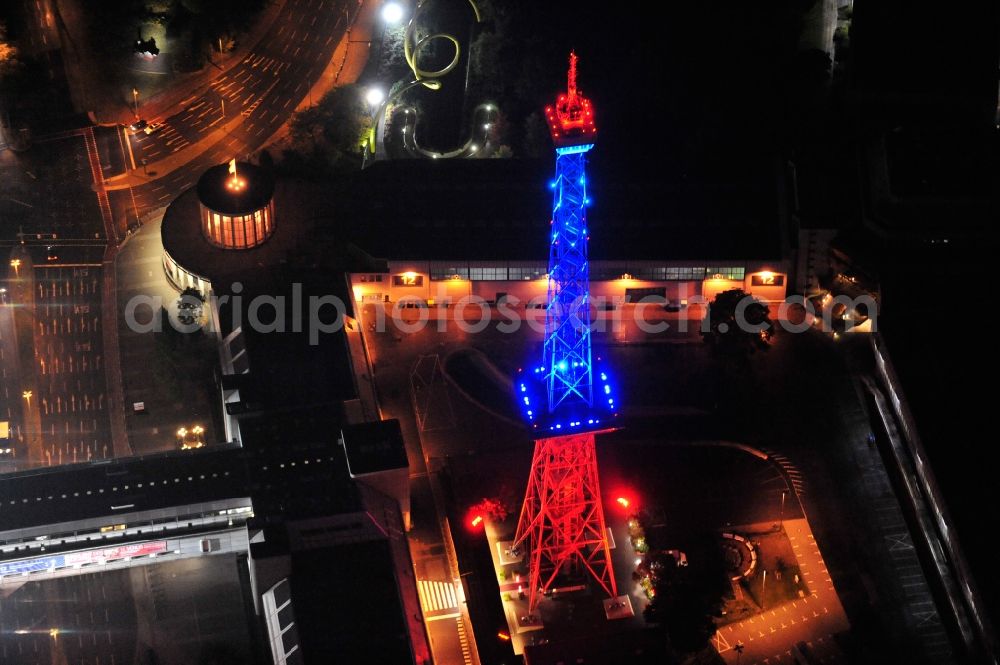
(502,635)
(623,502)
(476,521)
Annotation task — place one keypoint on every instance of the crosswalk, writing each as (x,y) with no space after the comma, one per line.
(463,640)
(436,595)
(794,475)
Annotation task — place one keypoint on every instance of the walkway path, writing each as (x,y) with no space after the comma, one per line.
(771,636)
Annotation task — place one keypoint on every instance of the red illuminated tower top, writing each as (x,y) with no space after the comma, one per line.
(571,121)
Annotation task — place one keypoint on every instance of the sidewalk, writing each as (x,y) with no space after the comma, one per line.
(814,619)
(167,165)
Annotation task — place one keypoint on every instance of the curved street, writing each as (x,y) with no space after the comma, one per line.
(301,54)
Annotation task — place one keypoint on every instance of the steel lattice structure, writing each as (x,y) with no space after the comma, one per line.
(567,356)
(562,518)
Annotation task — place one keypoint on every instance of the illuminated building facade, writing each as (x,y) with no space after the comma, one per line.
(231,208)
(684,282)
(237,206)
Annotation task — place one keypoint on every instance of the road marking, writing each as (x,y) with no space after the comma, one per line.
(440,617)
(464,643)
(435,595)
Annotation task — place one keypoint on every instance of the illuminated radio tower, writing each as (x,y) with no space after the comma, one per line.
(567,400)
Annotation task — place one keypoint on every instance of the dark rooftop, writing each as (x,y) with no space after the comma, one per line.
(353,615)
(290,466)
(184,241)
(500,209)
(289,366)
(375,446)
(216,193)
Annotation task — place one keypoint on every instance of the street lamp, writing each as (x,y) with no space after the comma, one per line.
(392,13)
(135,100)
(16,265)
(781,514)
(191,438)
(374,97)
(27,396)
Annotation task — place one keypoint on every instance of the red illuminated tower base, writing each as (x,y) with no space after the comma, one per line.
(562,522)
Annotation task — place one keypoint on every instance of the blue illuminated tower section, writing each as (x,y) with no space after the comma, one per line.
(577,392)
(567,399)
(569,374)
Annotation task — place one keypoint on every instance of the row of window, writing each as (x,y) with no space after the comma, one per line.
(180,277)
(240,232)
(503,271)
(660,273)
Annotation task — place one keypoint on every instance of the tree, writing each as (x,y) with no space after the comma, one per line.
(535,142)
(190,306)
(737,324)
(115,26)
(813,66)
(326,138)
(9,64)
(8,54)
(687,598)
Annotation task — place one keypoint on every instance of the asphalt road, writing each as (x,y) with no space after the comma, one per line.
(49,190)
(69,368)
(260,94)
(53,364)
(41,34)
(182,398)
